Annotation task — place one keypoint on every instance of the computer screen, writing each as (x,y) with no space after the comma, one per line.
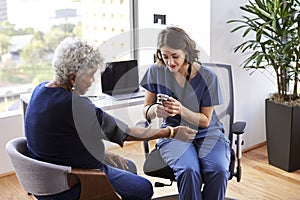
(120,77)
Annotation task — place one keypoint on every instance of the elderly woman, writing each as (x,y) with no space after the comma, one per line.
(63,127)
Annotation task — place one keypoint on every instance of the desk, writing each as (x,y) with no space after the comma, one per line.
(129,110)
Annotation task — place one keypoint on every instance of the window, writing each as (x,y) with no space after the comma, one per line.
(31,30)
(107,23)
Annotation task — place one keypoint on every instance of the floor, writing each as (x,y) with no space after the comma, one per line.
(260,180)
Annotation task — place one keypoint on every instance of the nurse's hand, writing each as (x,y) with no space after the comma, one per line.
(170,108)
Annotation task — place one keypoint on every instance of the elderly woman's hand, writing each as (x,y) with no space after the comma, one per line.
(184,133)
(115,160)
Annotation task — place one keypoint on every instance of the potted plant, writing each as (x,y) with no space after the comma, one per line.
(275,45)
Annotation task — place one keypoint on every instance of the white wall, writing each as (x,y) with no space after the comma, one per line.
(11,126)
(250,90)
(193,19)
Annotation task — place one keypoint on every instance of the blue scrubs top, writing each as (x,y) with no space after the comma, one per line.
(201,91)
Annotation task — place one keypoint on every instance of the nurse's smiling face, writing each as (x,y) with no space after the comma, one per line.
(173,58)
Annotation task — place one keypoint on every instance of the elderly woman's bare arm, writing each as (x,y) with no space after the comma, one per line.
(180,132)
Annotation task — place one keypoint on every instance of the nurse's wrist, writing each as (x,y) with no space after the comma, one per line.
(149,112)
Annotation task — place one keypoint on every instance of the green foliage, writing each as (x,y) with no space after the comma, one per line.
(27,74)
(275,26)
(78,30)
(67,27)
(6,28)
(4,44)
(34,53)
(35,65)
(55,35)
(9,29)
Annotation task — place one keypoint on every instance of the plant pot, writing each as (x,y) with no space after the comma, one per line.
(283,135)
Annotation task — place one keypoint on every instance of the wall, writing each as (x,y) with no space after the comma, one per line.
(194,19)
(250,90)
(11,126)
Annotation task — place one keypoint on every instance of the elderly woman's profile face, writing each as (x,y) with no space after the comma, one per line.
(83,81)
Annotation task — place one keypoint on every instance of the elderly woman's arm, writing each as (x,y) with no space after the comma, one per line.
(180,132)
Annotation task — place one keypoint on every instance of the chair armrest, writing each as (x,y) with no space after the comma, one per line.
(239,127)
(94,185)
(146,147)
(144,124)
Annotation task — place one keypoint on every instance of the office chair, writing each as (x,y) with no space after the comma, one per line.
(42,178)
(155,166)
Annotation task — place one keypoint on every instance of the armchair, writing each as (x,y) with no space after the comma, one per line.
(42,178)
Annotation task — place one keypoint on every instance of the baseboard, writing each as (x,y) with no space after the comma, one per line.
(254,146)
(7,174)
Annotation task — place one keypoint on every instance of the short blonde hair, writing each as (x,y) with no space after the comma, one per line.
(74,55)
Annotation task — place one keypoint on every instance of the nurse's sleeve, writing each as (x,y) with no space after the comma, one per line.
(148,80)
(213,94)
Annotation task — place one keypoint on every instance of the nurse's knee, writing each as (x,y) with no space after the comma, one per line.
(189,172)
(220,175)
(223,172)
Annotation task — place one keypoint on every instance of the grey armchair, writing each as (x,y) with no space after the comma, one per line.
(42,178)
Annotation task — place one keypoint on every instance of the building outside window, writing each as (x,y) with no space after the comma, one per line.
(3,10)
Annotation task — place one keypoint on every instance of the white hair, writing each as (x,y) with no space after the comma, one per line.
(73,55)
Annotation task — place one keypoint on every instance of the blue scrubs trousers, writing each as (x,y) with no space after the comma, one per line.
(204,161)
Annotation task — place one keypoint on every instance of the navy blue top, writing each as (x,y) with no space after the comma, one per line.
(203,90)
(66,129)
